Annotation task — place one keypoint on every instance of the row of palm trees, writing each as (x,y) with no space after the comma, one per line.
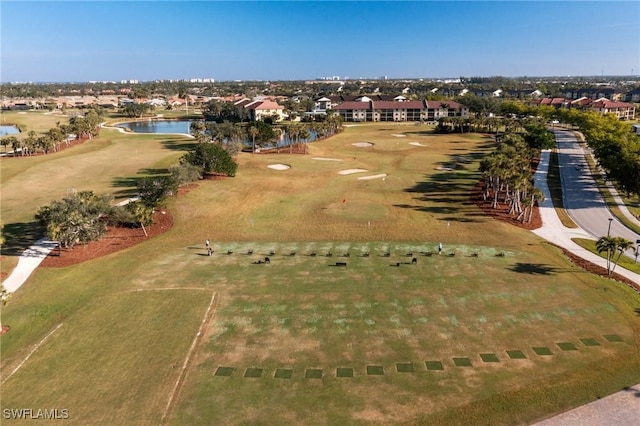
(508,177)
(481,124)
(81,127)
(231,135)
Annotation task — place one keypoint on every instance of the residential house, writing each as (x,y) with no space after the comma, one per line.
(622,110)
(259,110)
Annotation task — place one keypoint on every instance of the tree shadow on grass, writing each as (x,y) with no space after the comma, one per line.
(19,236)
(130,183)
(179,145)
(534,269)
(447,193)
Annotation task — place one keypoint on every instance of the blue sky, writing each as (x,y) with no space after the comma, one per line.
(260,40)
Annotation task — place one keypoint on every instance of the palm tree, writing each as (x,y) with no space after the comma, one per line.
(611,245)
(253,133)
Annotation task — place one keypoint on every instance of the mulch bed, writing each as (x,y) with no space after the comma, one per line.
(114,240)
(502,212)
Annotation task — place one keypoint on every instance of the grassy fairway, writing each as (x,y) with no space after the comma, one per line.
(116,352)
(451,339)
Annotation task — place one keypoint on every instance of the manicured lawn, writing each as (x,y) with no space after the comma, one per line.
(300,340)
(105,362)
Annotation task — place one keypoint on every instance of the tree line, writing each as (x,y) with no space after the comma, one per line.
(615,146)
(81,127)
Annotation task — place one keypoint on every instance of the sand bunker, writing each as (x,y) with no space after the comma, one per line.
(381,175)
(326,159)
(416,144)
(445,168)
(362,144)
(398,135)
(279,166)
(351,171)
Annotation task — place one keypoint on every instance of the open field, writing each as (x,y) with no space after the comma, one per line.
(451,339)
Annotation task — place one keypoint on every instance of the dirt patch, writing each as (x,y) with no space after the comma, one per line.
(114,240)
(185,189)
(5,329)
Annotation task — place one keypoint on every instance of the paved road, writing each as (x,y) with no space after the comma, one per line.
(582,199)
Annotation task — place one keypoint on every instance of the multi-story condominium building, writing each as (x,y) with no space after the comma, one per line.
(622,110)
(372,110)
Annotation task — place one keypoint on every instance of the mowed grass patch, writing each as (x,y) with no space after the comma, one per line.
(110,164)
(106,361)
(300,312)
(38,121)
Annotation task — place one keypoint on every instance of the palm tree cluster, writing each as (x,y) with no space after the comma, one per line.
(508,178)
(82,127)
(612,245)
(231,136)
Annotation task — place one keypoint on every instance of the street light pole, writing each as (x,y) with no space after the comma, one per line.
(609,230)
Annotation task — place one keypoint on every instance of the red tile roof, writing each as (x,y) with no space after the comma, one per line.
(450,104)
(398,105)
(354,105)
(607,104)
(263,105)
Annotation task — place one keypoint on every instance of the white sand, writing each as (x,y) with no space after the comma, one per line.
(351,171)
(326,159)
(279,166)
(398,135)
(446,169)
(362,144)
(381,175)
(416,144)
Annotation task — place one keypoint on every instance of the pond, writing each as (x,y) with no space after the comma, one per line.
(8,130)
(158,126)
(183,126)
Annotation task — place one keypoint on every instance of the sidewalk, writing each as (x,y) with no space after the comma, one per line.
(27,263)
(554,231)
